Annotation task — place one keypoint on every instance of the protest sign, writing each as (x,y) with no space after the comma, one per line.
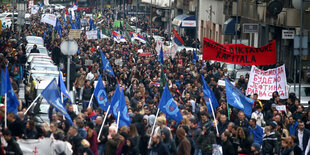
(75,33)
(91,34)
(264,83)
(49,19)
(281,108)
(30,3)
(46,2)
(239,53)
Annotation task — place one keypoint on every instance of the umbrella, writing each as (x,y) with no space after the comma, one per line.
(145,54)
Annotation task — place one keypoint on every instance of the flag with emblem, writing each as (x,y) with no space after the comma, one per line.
(237,99)
(208,94)
(64,92)
(177,38)
(106,64)
(118,104)
(118,37)
(168,106)
(52,95)
(101,95)
(6,88)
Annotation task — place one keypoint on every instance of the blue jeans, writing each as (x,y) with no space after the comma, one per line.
(85,104)
(101,149)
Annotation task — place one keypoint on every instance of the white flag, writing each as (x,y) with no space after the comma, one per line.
(47,146)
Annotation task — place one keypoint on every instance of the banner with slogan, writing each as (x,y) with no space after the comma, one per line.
(74,33)
(49,19)
(169,51)
(264,83)
(46,2)
(239,53)
(30,4)
(42,146)
(91,34)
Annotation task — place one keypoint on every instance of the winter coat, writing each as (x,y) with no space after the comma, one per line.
(205,142)
(270,144)
(160,149)
(184,147)
(257,134)
(228,148)
(169,142)
(13,148)
(112,144)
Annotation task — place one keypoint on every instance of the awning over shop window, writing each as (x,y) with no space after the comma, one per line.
(229,26)
(185,21)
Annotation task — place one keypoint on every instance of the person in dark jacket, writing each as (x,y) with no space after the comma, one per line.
(270,142)
(245,142)
(34,49)
(205,141)
(86,148)
(13,146)
(241,120)
(228,148)
(31,132)
(87,92)
(168,141)
(75,140)
(302,136)
(158,147)
(114,139)
(15,125)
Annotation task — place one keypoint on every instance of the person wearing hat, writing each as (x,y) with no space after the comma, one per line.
(255,149)
(92,137)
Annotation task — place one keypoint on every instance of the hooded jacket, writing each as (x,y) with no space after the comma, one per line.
(169,142)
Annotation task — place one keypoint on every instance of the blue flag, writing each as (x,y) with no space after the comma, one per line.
(91,24)
(52,95)
(208,94)
(236,99)
(195,58)
(161,56)
(118,105)
(6,87)
(44,37)
(101,95)
(3,83)
(66,99)
(58,27)
(40,6)
(106,64)
(168,106)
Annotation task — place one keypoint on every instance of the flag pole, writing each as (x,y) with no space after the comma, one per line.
(5,111)
(153,127)
(118,114)
(32,104)
(105,117)
(217,130)
(228,111)
(91,99)
(62,101)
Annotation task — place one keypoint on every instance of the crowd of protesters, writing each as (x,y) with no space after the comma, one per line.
(267,132)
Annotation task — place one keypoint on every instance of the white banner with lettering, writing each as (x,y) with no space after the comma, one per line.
(46,146)
(46,2)
(91,34)
(49,19)
(264,83)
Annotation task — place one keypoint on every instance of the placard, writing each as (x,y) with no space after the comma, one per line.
(264,83)
(91,34)
(75,33)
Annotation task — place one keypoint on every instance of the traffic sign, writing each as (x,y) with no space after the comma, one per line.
(250,28)
(69,47)
(288,34)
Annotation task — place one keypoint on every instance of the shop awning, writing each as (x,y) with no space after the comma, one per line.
(185,21)
(229,26)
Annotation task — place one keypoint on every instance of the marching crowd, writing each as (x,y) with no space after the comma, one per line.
(267,132)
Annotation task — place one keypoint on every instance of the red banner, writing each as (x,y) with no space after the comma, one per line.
(239,53)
